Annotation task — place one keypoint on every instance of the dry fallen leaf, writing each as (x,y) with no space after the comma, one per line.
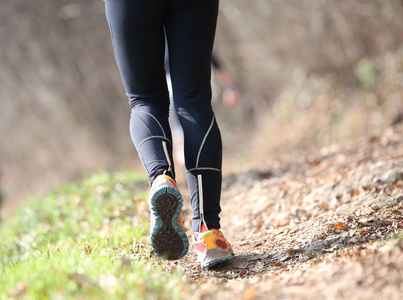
(340,226)
(87,249)
(276,264)
(250,293)
(355,193)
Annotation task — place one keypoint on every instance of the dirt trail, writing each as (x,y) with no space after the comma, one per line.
(323,224)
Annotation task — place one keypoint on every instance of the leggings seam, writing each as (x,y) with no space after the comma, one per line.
(203,169)
(154,137)
(159,124)
(203,142)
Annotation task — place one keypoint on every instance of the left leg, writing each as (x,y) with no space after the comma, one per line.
(138,40)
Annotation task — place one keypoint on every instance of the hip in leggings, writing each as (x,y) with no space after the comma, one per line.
(138,29)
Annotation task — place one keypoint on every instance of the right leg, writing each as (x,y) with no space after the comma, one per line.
(190,27)
(138,39)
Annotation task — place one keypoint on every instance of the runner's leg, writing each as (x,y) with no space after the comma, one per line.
(190,28)
(137,31)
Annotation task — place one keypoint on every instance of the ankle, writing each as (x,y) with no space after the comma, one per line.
(204,228)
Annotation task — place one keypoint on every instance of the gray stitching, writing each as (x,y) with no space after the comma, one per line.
(155,121)
(204,169)
(153,137)
(204,140)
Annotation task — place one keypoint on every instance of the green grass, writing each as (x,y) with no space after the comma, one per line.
(85,241)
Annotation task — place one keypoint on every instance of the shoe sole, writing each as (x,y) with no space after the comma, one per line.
(220,257)
(217,261)
(168,240)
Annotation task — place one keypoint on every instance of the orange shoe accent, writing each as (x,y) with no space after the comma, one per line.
(211,247)
(204,229)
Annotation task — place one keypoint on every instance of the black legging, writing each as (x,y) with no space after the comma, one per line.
(137,29)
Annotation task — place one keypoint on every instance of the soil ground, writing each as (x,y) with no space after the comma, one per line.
(325,224)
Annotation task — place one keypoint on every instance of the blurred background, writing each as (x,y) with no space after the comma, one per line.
(309,72)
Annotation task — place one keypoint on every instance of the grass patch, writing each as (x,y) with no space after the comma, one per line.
(87,240)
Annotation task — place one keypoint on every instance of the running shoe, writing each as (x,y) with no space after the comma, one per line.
(167,233)
(212,248)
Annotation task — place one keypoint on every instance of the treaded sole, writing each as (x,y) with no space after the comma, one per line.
(217,261)
(168,240)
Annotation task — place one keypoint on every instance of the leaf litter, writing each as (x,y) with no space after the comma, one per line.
(327,224)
